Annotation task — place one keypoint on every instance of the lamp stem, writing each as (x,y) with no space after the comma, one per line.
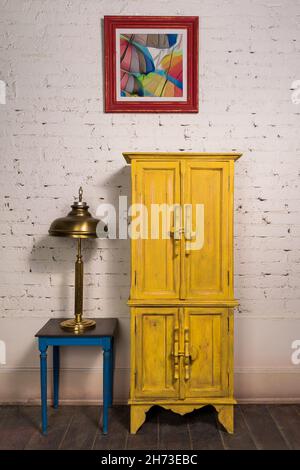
(78,284)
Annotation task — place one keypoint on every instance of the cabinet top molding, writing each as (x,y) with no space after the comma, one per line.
(185,155)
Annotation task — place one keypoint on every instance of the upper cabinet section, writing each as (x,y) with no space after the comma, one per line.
(205,194)
(155,257)
(182,227)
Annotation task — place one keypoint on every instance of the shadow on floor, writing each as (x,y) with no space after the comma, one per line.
(79,427)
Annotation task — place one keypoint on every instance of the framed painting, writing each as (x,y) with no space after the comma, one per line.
(151,64)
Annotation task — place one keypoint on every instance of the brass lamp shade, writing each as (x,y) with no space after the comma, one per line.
(79,224)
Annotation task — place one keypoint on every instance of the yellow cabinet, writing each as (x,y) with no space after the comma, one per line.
(206,335)
(155,375)
(155,264)
(181,295)
(207,183)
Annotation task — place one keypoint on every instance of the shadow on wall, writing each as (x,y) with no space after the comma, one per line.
(54,258)
(113,267)
(106,280)
(118,185)
(106,265)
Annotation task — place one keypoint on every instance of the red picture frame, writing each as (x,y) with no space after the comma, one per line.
(113,101)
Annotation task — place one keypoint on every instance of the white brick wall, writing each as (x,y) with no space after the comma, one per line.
(54,137)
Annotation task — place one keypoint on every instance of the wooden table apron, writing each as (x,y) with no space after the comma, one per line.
(105,342)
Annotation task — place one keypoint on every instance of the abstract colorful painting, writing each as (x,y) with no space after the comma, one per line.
(151,64)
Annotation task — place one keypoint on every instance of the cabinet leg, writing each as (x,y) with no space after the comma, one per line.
(137,416)
(226,417)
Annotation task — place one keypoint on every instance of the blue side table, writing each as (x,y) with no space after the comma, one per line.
(52,335)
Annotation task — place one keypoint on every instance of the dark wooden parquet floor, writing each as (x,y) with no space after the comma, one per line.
(76,427)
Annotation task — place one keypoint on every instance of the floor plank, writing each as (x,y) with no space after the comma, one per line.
(77,427)
(241,439)
(203,429)
(83,428)
(3,412)
(18,424)
(173,431)
(118,425)
(58,422)
(287,419)
(262,428)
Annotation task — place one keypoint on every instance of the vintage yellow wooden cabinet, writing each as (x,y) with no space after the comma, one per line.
(181,296)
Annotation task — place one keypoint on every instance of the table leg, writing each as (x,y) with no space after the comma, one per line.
(55,376)
(106,385)
(111,378)
(43,370)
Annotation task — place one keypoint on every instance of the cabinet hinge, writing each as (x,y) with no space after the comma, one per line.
(135,278)
(135,377)
(228,324)
(228,277)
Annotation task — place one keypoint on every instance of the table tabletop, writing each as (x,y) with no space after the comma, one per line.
(104,327)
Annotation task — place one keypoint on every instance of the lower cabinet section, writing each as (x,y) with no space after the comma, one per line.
(156,370)
(206,343)
(181,358)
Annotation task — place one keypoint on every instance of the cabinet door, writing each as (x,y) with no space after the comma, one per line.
(155,253)
(206,268)
(155,369)
(206,343)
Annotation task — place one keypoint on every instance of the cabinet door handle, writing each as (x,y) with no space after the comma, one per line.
(176,236)
(189,235)
(187,248)
(187,355)
(176,354)
(187,228)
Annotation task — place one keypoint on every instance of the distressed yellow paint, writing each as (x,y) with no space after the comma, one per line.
(226,417)
(207,183)
(182,300)
(209,352)
(156,265)
(137,416)
(154,373)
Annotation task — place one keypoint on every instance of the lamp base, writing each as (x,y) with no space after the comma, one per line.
(78,327)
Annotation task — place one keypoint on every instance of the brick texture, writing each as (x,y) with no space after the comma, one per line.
(54,137)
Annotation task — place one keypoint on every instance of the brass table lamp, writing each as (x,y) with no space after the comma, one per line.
(77,224)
